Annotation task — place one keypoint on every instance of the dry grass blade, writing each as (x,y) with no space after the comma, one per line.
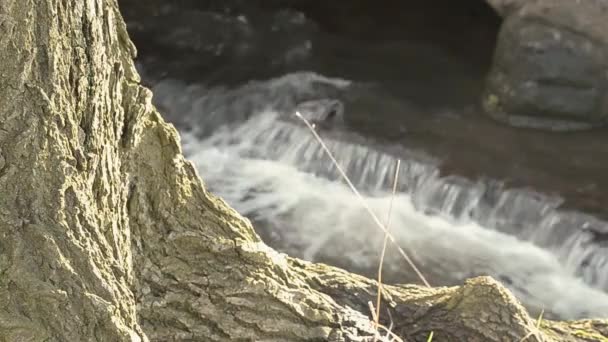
(535,332)
(371,309)
(363,202)
(384,245)
(390,335)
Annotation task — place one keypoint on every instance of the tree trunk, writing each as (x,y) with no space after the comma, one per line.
(107,232)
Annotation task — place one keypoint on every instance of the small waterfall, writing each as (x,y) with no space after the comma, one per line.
(272,170)
(522,213)
(370,170)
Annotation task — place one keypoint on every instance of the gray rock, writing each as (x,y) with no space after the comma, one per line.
(550,68)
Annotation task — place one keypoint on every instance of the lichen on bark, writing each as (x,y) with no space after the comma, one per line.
(108,233)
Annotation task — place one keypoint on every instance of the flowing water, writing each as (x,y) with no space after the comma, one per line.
(253,152)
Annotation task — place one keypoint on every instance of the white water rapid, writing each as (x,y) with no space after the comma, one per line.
(274,172)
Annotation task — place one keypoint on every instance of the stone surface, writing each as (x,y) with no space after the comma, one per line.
(208,36)
(550,67)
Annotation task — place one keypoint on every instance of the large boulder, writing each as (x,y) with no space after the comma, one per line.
(550,68)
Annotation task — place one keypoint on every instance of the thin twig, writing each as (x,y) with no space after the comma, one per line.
(385,243)
(389,331)
(363,202)
(394,336)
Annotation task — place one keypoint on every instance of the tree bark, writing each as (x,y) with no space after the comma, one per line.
(108,233)
(65,260)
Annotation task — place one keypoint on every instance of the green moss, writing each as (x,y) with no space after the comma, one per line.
(589,335)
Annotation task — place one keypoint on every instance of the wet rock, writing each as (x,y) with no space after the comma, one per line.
(550,69)
(228,43)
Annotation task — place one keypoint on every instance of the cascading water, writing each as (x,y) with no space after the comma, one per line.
(272,170)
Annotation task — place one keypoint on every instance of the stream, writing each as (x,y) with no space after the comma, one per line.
(273,171)
(251,150)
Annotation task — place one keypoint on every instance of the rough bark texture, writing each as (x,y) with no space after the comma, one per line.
(107,232)
(65,243)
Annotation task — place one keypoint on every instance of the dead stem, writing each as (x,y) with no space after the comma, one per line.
(363,202)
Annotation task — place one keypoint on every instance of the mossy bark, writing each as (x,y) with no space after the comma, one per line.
(108,233)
